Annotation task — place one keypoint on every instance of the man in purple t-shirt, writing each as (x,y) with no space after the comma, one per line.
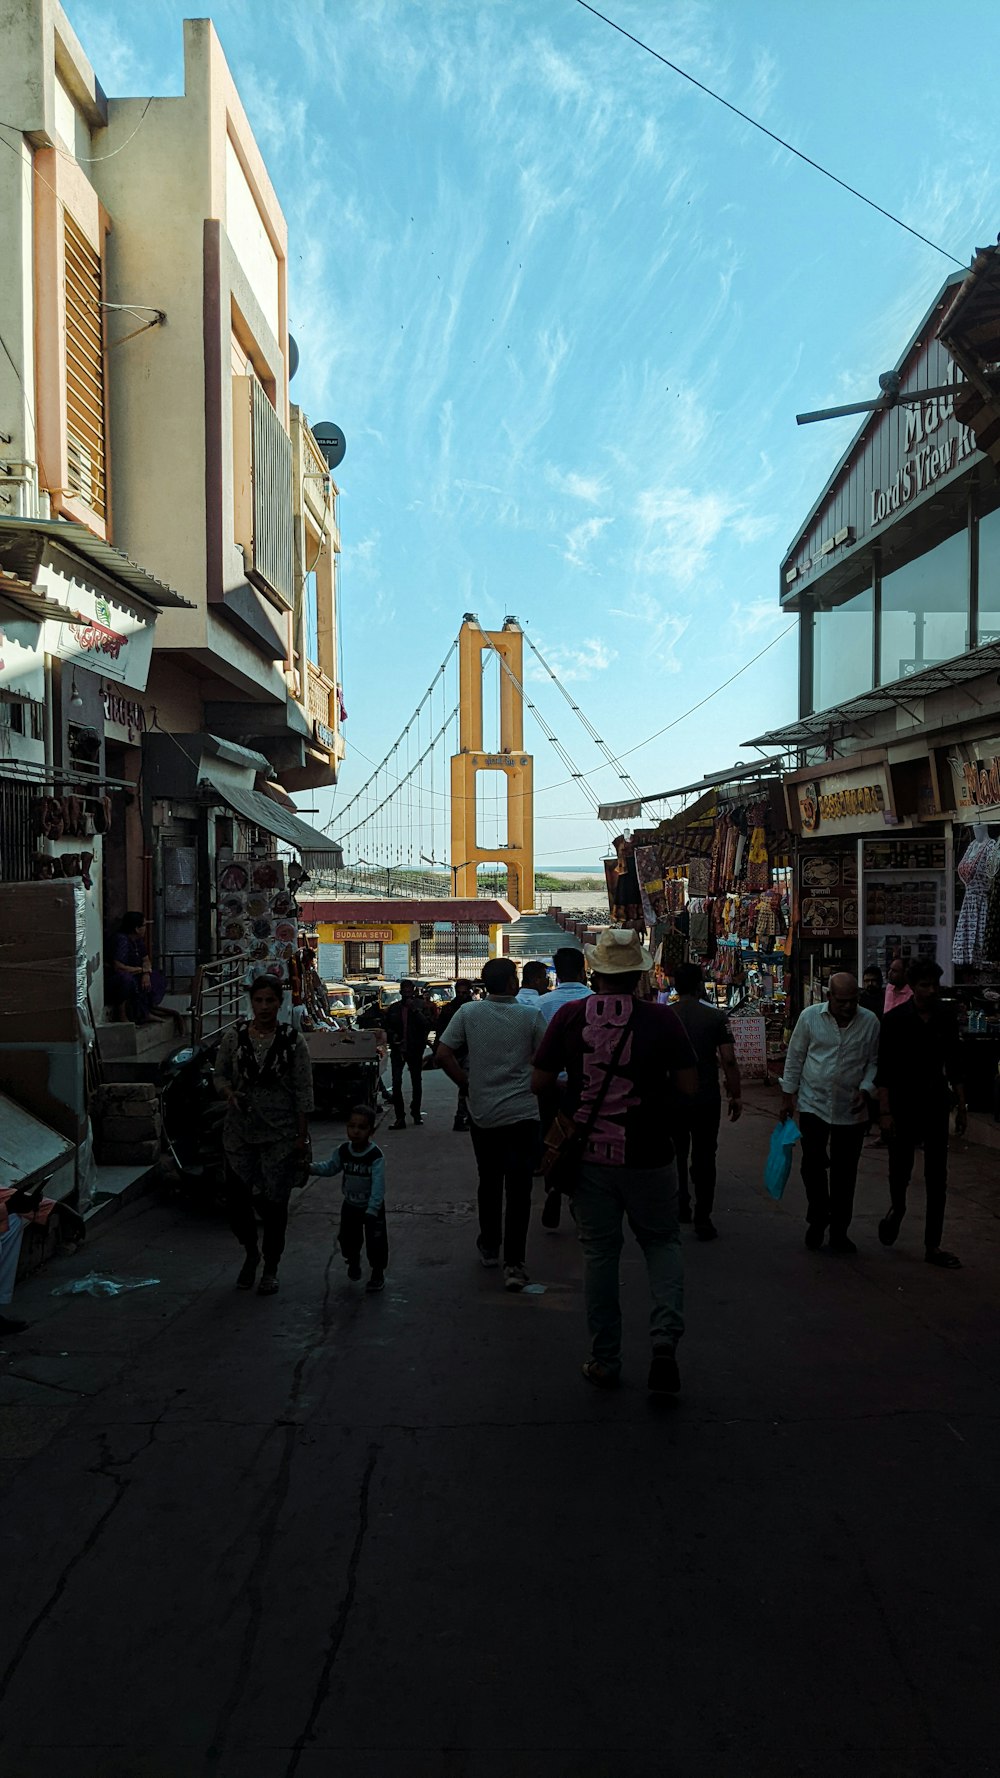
(628,1167)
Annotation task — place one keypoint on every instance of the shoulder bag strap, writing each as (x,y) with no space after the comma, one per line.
(584,1130)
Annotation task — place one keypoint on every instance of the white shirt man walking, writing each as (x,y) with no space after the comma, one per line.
(831,1066)
(500,1038)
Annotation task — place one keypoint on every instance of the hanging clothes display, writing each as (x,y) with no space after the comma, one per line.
(628,901)
(991,930)
(975,870)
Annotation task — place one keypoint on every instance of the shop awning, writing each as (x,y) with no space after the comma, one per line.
(711,781)
(847,718)
(22,542)
(318,851)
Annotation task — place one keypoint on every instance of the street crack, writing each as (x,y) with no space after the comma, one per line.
(339,1629)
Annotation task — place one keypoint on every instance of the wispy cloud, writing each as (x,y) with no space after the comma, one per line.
(589,488)
(580,540)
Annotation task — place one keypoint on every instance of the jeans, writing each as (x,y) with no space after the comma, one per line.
(357,1228)
(399,1060)
(696,1132)
(930,1127)
(830,1182)
(648,1197)
(505,1157)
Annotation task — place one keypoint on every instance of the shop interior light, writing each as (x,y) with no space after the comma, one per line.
(76,702)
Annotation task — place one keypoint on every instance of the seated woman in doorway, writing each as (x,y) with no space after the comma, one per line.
(264,1073)
(135,987)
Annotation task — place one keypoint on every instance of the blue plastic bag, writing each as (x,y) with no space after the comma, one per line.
(778,1165)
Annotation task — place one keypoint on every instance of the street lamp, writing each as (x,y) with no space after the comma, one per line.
(454,868)
(370,862)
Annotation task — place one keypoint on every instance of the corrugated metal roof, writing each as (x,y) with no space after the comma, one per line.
(809,729)
(261,811)
(20,550)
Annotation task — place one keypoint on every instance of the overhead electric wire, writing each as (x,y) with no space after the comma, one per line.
(753,121)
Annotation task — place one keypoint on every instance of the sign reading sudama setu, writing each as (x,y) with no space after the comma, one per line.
(366,935)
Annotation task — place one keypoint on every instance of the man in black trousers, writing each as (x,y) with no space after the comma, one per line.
(407,1028)
(919,1075)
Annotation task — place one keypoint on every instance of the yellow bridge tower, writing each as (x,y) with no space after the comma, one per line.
(518,853)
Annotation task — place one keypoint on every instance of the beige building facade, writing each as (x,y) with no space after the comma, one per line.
(145,414)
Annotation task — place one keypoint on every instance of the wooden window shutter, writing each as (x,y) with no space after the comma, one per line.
(86,433)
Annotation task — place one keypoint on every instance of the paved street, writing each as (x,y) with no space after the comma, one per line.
(399,1537)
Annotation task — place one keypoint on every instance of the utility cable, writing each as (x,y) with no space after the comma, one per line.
(791,149)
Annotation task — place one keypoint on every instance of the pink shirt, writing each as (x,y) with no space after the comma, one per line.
(895,996)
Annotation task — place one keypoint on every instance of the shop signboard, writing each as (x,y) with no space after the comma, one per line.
(362,935)
(976,781)
(101,631)
(124,717)
(828,898)
(835,804)
(750,1045)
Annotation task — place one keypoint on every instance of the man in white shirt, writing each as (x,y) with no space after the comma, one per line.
(534,984)
(830,1065)
(500,1039)
(571,982)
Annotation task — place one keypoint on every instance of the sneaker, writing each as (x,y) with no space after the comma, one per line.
(815,1233)
(416,1118)
(354,1270)
(248,1272)
(664,1377)
(400,1124)
(515,1278)
(488,1256)
(268,1285)
(706,1231)
(376,1282)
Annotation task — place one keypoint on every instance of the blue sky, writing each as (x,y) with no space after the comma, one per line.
(565,309)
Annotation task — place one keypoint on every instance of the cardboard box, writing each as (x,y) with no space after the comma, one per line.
(43,962)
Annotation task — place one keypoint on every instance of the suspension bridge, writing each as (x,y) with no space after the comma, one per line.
(450,809)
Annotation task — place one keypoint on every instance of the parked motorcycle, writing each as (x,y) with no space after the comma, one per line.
(193,1115)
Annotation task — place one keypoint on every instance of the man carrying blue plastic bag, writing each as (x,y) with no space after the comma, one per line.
(830,1067)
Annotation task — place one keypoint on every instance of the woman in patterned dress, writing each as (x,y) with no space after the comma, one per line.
(264,1073)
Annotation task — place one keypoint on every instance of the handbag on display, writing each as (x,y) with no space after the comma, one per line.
(566,1140)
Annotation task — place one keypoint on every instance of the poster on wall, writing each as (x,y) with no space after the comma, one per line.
(750,1045)
(330,962)
(829,895)
(395,962)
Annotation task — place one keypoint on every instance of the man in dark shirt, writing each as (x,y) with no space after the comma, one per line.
(628,1165)
(919,1064)
(407,1028)
(697,1120)
(463,997)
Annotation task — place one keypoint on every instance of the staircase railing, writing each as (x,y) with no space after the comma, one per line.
(217,997)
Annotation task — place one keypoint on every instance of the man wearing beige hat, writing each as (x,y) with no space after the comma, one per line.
(621,1056)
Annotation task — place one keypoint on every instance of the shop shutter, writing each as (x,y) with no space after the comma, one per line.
(86,439)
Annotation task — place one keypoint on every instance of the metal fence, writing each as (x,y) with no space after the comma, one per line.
(16,843)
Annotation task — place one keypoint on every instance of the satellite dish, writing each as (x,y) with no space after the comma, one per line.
(331,442)
(293,357)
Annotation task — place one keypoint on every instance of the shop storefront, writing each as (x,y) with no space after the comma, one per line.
(712,885)
(398,937)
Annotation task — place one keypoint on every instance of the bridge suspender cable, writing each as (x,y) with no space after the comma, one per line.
(611,758)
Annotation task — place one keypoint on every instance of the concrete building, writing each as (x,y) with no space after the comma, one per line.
(144,406)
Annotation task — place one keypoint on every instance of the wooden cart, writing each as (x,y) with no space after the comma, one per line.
(346,1068)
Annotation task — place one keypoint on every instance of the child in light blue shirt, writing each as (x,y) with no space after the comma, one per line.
(362,1219)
